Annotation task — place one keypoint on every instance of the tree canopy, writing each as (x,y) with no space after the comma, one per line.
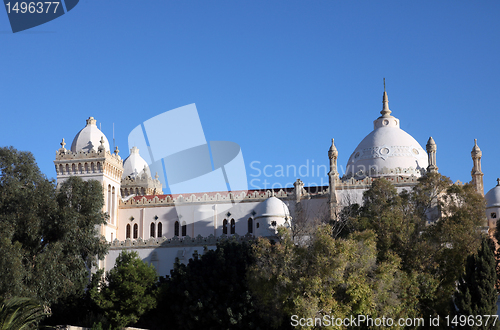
(48,237)
(127,291)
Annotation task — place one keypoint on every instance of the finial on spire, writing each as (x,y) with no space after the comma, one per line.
(385,104)
(157,176)
(91,121)
(63,143)
(116,150)
(333,150)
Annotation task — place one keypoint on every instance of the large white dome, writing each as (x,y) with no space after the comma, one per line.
(135,165)
(89,138)
(493,196)
(387,150)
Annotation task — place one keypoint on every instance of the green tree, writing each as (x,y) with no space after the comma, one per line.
(476,293)
(18,313)
(127,291)
(431,229)
(211,291)
(48,237)
(328,277)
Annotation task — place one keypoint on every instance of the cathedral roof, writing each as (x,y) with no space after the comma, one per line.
(135,165)
(89,138)
(387,148)
(493,196)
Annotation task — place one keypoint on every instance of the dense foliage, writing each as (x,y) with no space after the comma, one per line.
(476,293)
(127,291)
(210,292)
(48,237)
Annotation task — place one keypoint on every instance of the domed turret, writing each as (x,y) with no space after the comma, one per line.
(135,165)
(89,138)
(493,205)
(387,150)
(270,214)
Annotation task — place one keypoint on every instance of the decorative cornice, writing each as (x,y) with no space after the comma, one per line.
(164,242)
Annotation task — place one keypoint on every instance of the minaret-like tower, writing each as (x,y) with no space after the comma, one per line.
(476,173)
(333,176)
(431,152)
(91,159)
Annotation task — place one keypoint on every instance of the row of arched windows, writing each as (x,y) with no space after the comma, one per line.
(84,168)
(156,230)
(130,191)
(176,228)
(136,231)
(153,229)
(233,226)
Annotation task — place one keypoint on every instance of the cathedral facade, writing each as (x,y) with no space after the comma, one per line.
(162,227)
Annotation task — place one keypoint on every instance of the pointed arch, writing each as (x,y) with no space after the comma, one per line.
(184,228)
(160,230)
(176,228)
(224,227)
(152,231)
(127,235)
(136,231)
(250,225)
(233,226)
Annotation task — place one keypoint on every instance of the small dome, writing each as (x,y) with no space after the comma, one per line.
(135,165)
(387,146)
(272,207)
(493,196)
(89,138)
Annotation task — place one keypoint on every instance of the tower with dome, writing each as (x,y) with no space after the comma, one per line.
(163,227)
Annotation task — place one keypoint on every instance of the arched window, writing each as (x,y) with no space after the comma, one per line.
(176,228)
(109,199)
(224,227)
(128,231)
(67,169)
(250,225)
(113,205)
(136,231)
(233,226)
(184,228)
(152,229)
(160,231)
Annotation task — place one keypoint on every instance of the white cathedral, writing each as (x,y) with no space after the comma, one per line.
(162,227)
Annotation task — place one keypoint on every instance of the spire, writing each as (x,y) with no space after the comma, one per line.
(431,152)
(333,151)
(385,107)
(476,173)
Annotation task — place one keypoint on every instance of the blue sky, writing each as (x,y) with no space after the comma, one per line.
(280,78)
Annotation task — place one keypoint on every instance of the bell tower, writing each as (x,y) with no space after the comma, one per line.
(90,163)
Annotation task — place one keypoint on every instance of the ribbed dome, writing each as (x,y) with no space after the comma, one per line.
(134,164)
(387,146)
(493,196)
(89,138)
(272,207)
